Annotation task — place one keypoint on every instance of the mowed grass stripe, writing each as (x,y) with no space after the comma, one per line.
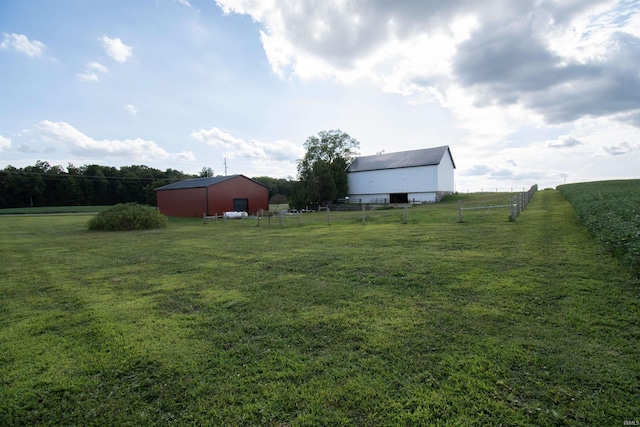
(426,323)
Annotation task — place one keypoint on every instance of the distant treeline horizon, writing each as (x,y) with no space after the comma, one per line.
(96,185)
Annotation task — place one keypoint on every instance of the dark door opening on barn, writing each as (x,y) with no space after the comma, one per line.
(241,205)
(399,198)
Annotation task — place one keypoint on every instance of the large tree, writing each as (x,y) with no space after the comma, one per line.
(322,172)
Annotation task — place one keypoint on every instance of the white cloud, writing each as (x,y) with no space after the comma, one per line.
(4,142)
(478,170)
(548,162)
(88,76)
(565,141)
(79,144)
(215,137)
(131,109)
(621,148)
(97,67)
(185,156)
(589,35)
(402,47)
(283,150)
(234,147)
(498,66)
(116,49)
(381,40)
(21,43)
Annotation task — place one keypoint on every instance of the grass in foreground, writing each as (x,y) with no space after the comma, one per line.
(426,323)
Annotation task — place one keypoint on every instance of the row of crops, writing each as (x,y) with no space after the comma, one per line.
(611,212)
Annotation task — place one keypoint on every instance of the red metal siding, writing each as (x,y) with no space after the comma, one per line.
(221,195)
(190,202)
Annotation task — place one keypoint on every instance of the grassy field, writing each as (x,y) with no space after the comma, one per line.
(52,210)
(80,209)
(433,322)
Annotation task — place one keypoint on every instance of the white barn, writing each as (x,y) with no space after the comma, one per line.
(416,176)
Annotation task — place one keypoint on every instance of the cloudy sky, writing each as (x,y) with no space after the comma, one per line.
(523,92)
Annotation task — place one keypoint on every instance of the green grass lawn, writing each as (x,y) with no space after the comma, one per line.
(52,210)
(432,322)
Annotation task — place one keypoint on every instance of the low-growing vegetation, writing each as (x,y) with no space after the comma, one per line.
(611,212)
(432,322)
(128,216)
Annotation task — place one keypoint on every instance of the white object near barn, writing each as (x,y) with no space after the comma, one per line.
(416,176)
(235,215)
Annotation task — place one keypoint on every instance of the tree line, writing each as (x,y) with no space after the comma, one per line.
(96,185)
(322,180)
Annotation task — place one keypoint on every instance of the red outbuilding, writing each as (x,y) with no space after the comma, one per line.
(212,196)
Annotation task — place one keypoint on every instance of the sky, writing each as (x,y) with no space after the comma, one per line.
(523,92)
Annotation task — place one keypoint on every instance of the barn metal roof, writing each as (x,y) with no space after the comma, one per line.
(196,182)
(402,159)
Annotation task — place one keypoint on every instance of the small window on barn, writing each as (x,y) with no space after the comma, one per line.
(241,205)
(399,198)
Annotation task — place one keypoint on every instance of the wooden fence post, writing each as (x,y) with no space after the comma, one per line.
(459,210)
(406,209)
(363,215)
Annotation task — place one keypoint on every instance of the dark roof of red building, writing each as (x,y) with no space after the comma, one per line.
(201,182)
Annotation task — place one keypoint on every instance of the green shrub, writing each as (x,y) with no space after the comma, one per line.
(128,216)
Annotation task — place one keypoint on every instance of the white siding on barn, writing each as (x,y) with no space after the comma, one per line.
(384,198)
(379,184)
(445,175)
(369,198)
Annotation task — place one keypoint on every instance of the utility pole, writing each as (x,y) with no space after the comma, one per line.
(225,166)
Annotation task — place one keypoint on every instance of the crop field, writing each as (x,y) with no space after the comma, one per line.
(321,322)
(611,211)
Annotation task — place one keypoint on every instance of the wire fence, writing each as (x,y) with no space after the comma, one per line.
(477,208)
(517,203)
